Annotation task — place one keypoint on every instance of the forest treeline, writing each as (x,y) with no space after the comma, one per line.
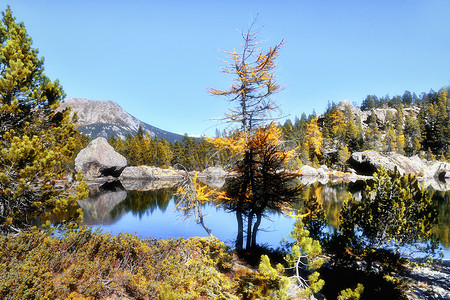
(407,124)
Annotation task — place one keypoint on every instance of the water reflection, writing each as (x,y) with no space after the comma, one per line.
(149,211)
(98,207)
(441,200)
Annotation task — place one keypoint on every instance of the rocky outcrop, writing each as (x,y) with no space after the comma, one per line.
(99,159)
(149,173)
(367,162)
(380,113)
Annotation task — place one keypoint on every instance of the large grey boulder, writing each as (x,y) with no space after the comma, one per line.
(214,177)
(147,185)
(100,159)
(140,172)
(367,162)
(308,171)
(214,172)
(149,173)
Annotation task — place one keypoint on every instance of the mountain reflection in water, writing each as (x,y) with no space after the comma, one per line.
(148,209)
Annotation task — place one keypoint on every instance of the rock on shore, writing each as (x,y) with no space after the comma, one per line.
(367,162)
(99,159)
(149,173)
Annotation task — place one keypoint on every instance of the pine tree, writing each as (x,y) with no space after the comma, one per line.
(36,142)
(395,213)
(412,136)
(435,123)
(390,140)
(372,136)
(305,259)
(369,103)
(350,131)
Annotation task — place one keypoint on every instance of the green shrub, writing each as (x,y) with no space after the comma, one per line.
(87,264)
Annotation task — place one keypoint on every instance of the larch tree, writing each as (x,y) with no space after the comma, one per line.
(256,139)
(254,84)
(36,141)
(314,141)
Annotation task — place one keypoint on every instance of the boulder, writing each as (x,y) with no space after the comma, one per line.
(140,172)
(367,162)
(308,171)
(149,173)
(147,185)
(100,159)
(213,172)
(323,171)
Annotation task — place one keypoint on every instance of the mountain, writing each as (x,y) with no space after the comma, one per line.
(106,118)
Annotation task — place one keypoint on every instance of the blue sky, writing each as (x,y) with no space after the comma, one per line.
(156,58)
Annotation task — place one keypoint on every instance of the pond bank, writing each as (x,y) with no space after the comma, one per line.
(430,281)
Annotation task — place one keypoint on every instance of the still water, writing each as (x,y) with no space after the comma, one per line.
(151,212)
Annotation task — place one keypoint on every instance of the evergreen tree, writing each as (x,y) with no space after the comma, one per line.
(369,103)
(36,142)
(372,136)
(395,213)
(351,139)
(407,98)
(412,135)
(177,154)
(434,123)
(390,140)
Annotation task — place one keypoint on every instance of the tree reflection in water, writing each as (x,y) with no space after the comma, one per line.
(106,207)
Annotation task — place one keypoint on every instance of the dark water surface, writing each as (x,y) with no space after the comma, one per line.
(152,213)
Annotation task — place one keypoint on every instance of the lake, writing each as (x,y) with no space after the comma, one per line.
(148,210)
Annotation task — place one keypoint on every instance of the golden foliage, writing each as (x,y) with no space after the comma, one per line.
(314,138)
(254,81)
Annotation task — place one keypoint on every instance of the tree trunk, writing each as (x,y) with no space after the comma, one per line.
(249,230)
(202,222)
(256,227)
(240,233)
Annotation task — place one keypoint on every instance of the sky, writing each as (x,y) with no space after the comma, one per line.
(156,59)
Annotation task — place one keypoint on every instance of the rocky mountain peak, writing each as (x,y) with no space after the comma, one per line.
(100,112)
(104,118)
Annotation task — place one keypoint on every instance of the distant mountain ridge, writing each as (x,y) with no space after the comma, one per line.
(106,118)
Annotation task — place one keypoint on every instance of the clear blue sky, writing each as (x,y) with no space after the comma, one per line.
(156,58)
